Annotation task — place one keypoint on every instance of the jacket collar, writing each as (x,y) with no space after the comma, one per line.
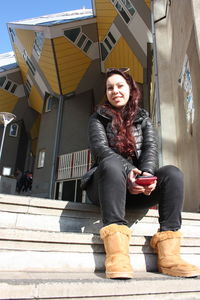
(141,114)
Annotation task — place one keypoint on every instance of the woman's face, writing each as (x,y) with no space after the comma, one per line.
(117,90)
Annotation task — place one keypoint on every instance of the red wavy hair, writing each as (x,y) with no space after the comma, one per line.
(122,120)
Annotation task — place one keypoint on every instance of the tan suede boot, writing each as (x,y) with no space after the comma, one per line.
(167,246)
(116,243)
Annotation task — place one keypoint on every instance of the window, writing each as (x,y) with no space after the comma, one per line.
(13,34)
(72,34)
(13,89)
(113,40)
(125,9)
(122,12)
(2,80)
(14,129)
(87,46)
(29,63)
(128,6)
(81,41)
(69,191)
(27,87)
(41,158)
(6,171)
(104,52)
(108,43)
(48,104)
(39,41)
(8,84)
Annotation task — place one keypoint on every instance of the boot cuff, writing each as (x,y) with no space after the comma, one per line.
(113,228)
(164,235)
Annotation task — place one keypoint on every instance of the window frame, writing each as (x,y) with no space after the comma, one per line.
(17,129)
(48,104)
(41,158)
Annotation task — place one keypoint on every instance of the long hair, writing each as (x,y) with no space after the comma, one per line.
(122,120)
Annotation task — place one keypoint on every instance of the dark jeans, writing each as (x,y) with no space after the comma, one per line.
(108,188)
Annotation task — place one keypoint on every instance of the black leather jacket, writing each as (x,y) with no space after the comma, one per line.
(101,143)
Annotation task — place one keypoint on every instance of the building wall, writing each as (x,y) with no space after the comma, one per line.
(76,112)
(180,140)
(46,140)
(10,149)
(72,136)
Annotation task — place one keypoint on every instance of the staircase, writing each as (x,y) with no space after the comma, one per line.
(51,249)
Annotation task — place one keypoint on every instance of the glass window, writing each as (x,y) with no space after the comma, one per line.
(8,84)
(104,52)
(13,88)
(39,41)
(48,105)
(81,41)
(87,46)
(27,87)
(6,171)
(2,80)
(72,34)
(129,6)
(30,65)
(13,34)
(108,44)
(122,12)
(28,84)
(41,158)
(69,188)
(111,37)
(14,130)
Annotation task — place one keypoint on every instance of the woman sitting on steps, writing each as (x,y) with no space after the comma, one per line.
(123,145)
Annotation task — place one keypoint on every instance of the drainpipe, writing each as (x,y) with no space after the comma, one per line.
(157,91)
(57,131)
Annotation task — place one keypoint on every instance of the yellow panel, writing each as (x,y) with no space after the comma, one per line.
(72,64)
(34,134)
(23,66)
(27,38)
(123,56)
(7,101)
(105,15)
(47,65)
(35,100)
(148,3)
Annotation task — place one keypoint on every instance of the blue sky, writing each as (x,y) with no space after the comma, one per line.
(15,10)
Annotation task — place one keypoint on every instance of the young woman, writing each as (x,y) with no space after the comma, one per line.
(123,145)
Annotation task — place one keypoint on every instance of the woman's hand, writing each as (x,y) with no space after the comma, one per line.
(149,188)
(136,189)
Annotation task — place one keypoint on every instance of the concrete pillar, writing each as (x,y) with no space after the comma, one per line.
(167,108)
(196,14)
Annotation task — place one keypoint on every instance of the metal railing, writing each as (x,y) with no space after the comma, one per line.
(73,165)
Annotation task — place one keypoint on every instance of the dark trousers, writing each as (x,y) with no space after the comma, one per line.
(108,188)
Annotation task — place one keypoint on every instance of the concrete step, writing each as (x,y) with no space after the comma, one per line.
(94,286)
(63,216)
(56,251)
(55,236)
